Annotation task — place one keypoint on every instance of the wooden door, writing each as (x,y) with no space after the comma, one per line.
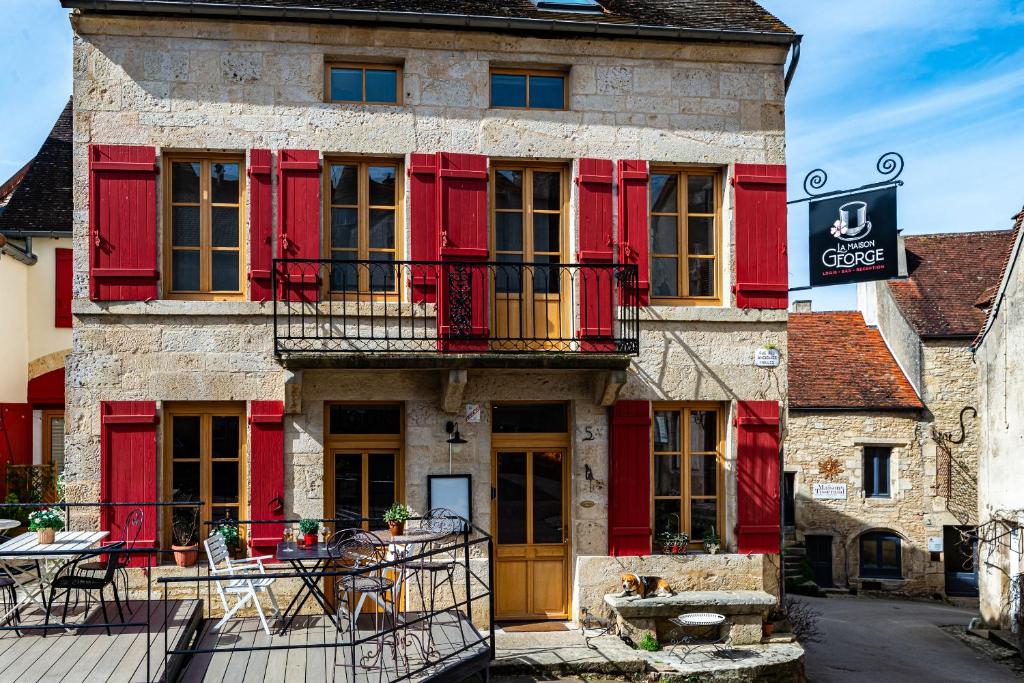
(531,534)
(528,227)
(819,556)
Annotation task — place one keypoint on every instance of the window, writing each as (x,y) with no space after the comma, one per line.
(687,445)
(363,465)
(590,6)
(522,89)
(364,83)
(53,440)
(876,471)
(363,224)
(880,556)
(684,235)
(204,245)
(530,418)
(203,460)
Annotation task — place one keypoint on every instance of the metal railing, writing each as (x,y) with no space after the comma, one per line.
(339,306)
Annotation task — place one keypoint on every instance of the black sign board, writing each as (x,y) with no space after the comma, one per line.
(853,238)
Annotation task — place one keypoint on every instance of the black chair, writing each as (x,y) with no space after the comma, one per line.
(9,587)
(70,578)
(439,567)
(130,535)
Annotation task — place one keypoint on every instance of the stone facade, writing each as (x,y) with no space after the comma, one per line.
(912,511)
(232,85)
(1000,495)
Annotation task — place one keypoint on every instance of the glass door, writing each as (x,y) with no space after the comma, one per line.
(364,486)
(531,534)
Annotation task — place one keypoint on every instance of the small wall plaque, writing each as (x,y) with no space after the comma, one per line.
(767,358)
(935,544)
(473,412)
(829,491)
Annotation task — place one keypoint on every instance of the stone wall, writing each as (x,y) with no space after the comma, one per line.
(1000,494)
(912,512)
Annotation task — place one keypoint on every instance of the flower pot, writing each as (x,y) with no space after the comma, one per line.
(396,528)
(185,555)
(46,536)
(310,538)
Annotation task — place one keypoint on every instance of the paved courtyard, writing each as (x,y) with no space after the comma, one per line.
(864,639)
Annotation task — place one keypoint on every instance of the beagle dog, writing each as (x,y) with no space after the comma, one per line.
(645,586)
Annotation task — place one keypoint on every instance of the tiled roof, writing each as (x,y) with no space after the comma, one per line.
(838,362)
(991,295)
(42,200)
(947,275)
(701,15)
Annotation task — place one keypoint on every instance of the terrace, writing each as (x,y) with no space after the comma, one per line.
(382,613)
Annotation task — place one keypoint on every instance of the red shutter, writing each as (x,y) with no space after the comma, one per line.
(15,438)
(261,220)
(629,479)
(62,288)
(128,468)
(757,476)
(122,223)
(298,221)
(633,229)
(423,226)
(762,268)
(266,474)
(595,240)
(465,286)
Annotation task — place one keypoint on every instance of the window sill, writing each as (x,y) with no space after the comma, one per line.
(191,307)
(685,313)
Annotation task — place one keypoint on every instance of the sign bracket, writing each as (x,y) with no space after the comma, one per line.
(889,164)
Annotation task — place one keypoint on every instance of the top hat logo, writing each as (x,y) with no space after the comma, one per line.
(853,223)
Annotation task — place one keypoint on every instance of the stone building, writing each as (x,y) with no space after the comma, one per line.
(35,278)
(558,235)
(925,445)
(853,457)
(1001,388)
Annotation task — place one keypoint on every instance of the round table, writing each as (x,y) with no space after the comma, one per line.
(6,524)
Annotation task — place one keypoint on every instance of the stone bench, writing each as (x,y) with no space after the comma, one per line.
(745,612)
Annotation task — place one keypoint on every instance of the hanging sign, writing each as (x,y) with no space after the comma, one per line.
(853,238)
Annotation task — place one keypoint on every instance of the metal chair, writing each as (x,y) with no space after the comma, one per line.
(130,535)
(361,553)
(244,590)
(69,578)
(440,567)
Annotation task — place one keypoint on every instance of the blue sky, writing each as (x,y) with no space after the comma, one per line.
(940,81)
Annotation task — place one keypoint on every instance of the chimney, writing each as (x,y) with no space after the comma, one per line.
(802,306)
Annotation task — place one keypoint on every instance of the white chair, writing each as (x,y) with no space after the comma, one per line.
(244,590)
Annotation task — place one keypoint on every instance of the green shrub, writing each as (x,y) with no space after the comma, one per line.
(649,643)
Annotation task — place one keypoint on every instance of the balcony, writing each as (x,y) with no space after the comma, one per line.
(371,313)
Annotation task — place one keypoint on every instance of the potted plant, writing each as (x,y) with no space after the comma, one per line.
(229,530)
(185,528)
(680,542)
(396,516)
(309,529)
(46,523)
(712,543)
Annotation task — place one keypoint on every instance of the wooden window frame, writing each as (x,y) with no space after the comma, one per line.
(872,459)
(685,496)
(205,411)
(366,445)
(682,255)
(48,416)
(363,209)
(564,75)
(877,538)
(364,66)
(206,248)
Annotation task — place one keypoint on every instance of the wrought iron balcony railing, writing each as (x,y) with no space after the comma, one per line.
(340,306)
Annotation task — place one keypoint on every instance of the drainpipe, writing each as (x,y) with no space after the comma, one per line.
(794,59)
(24,255)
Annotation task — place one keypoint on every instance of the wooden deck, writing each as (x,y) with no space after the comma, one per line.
(91,655)
(331,663)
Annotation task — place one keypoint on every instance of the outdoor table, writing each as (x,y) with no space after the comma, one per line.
(398,548)
(709,627)
(319,555)
(66,545)
(6,524)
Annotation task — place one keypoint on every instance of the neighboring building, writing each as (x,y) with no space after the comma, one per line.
(910,465)
(405,165)
(998,351)
(35,278)
(853,458)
